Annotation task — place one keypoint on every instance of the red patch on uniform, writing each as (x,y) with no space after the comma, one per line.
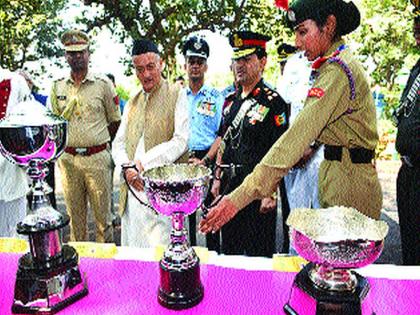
(316,92)
(116,100)
(256,92)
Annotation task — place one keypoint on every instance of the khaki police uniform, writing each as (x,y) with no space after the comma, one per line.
(87,177)
(86,164)
(334,119)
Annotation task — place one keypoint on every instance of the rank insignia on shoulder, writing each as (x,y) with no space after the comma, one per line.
(256,92)
(316,92)
(61,97)
(280,120)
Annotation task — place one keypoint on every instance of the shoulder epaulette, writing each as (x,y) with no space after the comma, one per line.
(334,58)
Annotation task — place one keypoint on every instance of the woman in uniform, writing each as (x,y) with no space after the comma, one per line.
(339,112)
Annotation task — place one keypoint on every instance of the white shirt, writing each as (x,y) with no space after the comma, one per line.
(294,84)
(13,181)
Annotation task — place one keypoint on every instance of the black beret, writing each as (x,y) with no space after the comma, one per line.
(196,46)
(346,13)
(143,46)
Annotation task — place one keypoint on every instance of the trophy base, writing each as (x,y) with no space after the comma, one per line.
(180,289)
(308,299)
(48,288)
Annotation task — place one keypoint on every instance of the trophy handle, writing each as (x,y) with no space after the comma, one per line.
(132,165)
(230,167)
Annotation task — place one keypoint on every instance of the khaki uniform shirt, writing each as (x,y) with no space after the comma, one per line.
(94,108)
(331,118)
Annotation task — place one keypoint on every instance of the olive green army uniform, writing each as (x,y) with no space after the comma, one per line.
(331,117)
(89,108)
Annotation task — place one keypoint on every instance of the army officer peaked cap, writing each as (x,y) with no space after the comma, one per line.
(245,43)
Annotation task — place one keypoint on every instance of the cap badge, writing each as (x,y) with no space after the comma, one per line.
(197,45)
(291,16)
(237,41)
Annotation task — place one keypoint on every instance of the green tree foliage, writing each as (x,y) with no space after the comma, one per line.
(385,39)
(168,23)
(28,31)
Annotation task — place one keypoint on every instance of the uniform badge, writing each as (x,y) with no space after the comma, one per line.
(61,97)
(316,92)
(291,16)
(256,92)
(280,120)
(258,114)
(197,45)
(237,41)
(207,108)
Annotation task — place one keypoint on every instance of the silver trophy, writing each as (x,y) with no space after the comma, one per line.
(333,240)
(48,277)
(177,190)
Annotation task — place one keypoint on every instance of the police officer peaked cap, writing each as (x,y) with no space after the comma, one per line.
(75,40)
(143,46)
(346,13)
(285,50)
(245,43)
(196,47)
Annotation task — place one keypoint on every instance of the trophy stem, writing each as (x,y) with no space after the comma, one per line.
(180,284)
(178,233)
(333,279)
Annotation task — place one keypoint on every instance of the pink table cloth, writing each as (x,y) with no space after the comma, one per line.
(130,288)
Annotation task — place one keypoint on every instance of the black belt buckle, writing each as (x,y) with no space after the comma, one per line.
(81,151)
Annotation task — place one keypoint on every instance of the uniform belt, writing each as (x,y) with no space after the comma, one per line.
(86,151)
(410,162)
(357,155)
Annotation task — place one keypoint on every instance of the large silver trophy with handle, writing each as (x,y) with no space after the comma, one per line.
(48,277)
(334,240)
(177,190)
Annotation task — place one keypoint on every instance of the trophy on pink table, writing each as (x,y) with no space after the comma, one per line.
(333,240)
(177,190)
(48,277)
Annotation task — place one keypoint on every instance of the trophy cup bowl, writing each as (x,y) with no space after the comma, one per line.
(32,132)
(177,190)
(334,240)
(48,277)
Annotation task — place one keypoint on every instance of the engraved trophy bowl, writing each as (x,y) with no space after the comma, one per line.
(335,240)
(178,190)
(48,277)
